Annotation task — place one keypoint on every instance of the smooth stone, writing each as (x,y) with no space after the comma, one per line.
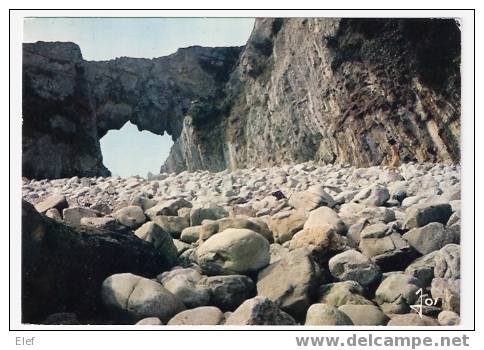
(365,315)
(324,217)
(342,293)
(326,315)
(184,283)
(200,316)
(174,225)
(422,214)
(138,297)
(233,251)
(149,321)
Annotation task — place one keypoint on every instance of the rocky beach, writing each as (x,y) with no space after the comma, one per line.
(314,180)
(295,244)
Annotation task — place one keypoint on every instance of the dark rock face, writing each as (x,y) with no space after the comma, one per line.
(63,268)
(330,90)
(59,129)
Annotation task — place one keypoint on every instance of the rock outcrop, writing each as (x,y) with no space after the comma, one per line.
(64,267)
(324,89)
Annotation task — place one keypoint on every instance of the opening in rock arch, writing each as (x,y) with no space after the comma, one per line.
(128,152)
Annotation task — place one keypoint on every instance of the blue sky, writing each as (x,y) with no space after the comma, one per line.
(127,151)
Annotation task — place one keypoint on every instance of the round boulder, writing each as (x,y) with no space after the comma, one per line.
(200,316)
(326,315)
(233,251)
(136,297)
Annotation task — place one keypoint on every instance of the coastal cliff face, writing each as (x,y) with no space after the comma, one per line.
(334,90)
(329,90)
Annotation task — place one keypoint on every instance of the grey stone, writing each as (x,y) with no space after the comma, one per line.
(57,201)
(412,320)
(131,216)
(429,238)
(161,240)
(259,311)
(326,315)
(72,216)
(423,268)
(184,283)
(448,318)
(54,214)
(397,292)
(167,207)
(233,251)
(342,293)
(365,315)
(138,297)
(286,223)
(228,292)
(149,321)
(213,212)
(351,265)
(174,225)
(200,316)
(385,247)
(422,214)
(448,291)
(291,283)
(447,262)
(324,217)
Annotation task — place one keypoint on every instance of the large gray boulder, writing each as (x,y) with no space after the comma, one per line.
(291,283)
(429,238)
(397,292)
(351,265)
(136,297)
(423,268)
(447,262)
(228,292)
(421,214)
(233,251)
(385,247)
(259,311)
(184,283)
(326,315)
